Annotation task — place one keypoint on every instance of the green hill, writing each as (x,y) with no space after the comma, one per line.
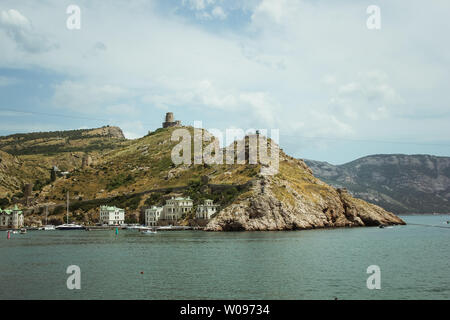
(29,157)
(137,173)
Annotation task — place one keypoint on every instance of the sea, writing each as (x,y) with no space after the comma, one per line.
(410,262)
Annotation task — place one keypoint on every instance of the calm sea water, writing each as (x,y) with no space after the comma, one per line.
(313,264)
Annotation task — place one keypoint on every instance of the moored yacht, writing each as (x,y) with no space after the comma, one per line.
(69,226)
(47,227)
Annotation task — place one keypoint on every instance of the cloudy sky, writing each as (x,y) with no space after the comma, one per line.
(310,68)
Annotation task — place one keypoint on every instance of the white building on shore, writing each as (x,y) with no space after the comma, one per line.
(11,218)
(206,210)
(152,215)
(173,210)
(112,215)
(176,207)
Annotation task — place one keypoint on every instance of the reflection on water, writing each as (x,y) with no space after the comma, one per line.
(313,264)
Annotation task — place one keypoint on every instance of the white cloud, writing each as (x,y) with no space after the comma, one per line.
(205,9)
(195,4)
(132,129)
(349,88)
(329,79)
(274,10)
(198,4)
(203,15)
(87,98)
(205,94)
(121,109)
(273,16)
(219,13)
(21,31)
(370,96)
(14,18)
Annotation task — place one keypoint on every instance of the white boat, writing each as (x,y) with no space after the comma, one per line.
(133,227)
(148,232)
(169,227)
(47,227)
(67,225)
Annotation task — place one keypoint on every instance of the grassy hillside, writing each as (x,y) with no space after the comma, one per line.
(141,165)
(28,158)
(122,176)
(128,174)
(51,143)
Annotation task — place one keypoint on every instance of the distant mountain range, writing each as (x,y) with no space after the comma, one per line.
(398,183)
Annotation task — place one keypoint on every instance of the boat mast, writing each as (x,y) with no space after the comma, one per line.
(67,207)
(46,215)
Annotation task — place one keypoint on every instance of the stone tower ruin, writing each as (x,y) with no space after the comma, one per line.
(27,193)
(170,122)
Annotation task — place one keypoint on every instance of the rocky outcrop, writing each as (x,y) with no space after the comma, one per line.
(106,131)
(290,202)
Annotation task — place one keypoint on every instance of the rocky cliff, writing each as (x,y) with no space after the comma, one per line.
(294,199)
(400,183)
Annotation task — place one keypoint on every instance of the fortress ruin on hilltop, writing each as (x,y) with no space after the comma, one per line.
(170,122)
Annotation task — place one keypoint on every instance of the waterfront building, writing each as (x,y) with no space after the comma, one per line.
(152,215)
(112,215)
(206,210)
(11,218)
(176,207)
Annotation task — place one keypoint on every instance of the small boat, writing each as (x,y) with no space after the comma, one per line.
(381,226)
(169,227)
(69,226)
(149,232)
(134,227)
(23,231)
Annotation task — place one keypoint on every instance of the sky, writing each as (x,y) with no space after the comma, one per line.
(335,89)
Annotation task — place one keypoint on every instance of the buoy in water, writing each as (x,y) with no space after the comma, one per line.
(9,235)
